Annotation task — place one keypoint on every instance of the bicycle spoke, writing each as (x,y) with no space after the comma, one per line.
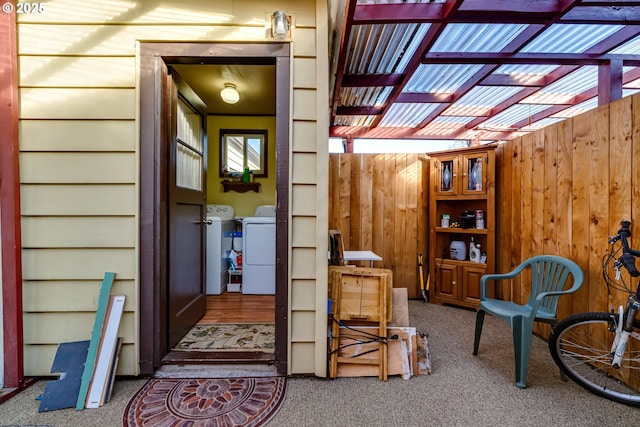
(581,346)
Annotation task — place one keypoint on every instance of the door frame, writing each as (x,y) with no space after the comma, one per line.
(153,212)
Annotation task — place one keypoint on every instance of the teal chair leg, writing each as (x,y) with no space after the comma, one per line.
(522,331)
(479,322)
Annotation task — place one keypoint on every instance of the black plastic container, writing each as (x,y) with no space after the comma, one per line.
(468,219)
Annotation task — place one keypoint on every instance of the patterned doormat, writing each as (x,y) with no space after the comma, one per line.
(229,337)
(206,402)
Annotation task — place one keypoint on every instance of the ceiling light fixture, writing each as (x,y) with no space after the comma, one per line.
(280,25)
(230,94)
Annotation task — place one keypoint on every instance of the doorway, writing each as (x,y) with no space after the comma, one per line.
(155,202)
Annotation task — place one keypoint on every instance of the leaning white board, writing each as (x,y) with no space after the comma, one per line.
(105,352)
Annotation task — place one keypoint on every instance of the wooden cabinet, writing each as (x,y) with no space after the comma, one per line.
(463,174)
(462,182)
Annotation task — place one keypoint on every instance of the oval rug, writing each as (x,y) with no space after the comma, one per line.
(206,402)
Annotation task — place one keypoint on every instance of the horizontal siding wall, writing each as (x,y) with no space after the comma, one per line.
(78,171)
(563,190)
(379,202)
(308,193)
(79,165)
(79,200)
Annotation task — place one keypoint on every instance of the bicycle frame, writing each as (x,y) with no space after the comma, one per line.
(624,329)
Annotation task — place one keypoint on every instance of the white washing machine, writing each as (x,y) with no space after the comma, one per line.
(259,252)
(219,241)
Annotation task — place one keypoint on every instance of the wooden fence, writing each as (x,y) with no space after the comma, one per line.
(563,190)
(379,203)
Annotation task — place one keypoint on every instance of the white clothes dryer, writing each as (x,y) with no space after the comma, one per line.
(259,254)
(220,229)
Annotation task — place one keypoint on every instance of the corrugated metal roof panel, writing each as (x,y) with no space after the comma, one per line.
(570,38)
(526,69)
(388,43)
(577,109)
(364,96)
(629,92)
(463,120)
(563,90)
(407,115)
(476,37)
(632,47)
(634,84)
(514,114)
(441,78)
(419,35)
(447,126)
(376,49)
(542,124)
(480,100)
(366,121)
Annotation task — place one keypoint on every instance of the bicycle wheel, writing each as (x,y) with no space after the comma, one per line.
(581,346)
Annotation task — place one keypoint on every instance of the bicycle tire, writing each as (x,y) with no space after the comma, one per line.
(581,345)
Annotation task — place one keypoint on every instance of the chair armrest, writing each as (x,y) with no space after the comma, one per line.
(484,283)
(542,295)
(498,276)
(576,285)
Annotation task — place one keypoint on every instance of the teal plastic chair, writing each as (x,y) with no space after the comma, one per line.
(549,274)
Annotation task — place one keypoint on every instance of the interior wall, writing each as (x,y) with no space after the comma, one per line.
(379,202)
(244,204)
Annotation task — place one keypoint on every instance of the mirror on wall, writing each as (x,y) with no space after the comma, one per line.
(240,148)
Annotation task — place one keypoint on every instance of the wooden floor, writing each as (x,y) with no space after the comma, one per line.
(234,307)
(230,307)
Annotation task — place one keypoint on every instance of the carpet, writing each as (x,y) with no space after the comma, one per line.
(206,402)
(230,337)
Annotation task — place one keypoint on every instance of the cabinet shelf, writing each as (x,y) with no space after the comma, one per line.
(454,230)
(439,261)
(461,198)
(240,187)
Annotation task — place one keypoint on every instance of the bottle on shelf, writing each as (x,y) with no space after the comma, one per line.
(444,221)
(474,251)
(233,260)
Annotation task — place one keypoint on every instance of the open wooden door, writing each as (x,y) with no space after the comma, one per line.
(165,273)
(187,197)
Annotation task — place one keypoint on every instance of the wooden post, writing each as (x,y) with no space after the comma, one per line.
(10,235)
(609,81)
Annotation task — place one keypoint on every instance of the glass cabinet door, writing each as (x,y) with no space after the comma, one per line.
(447,175)
(474,177)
